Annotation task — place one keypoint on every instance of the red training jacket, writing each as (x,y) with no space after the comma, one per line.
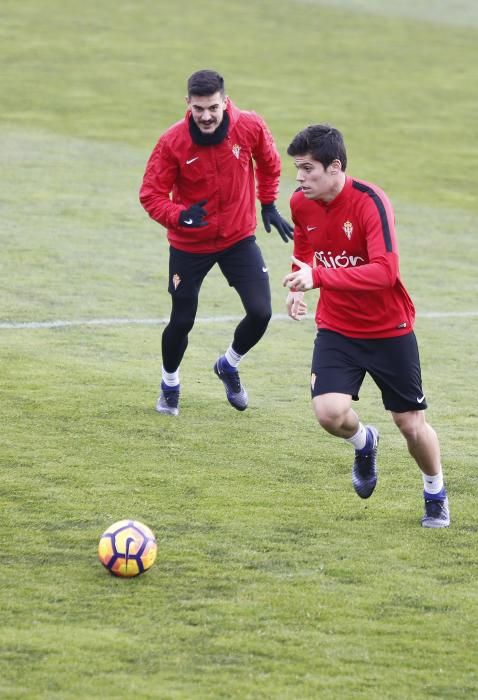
(352,247)
(222,174)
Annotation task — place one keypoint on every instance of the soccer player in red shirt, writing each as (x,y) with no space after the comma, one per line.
(345,245)
(201,183)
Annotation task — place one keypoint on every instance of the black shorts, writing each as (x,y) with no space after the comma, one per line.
(242,265)
(339,365)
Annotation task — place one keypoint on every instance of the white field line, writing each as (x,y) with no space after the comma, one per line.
(36,325)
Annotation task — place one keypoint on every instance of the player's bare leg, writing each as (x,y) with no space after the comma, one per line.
(423,445)
(335,414)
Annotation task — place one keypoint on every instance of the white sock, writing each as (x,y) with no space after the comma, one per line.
(170,378)
(232,356)
(359,439)
(433,484)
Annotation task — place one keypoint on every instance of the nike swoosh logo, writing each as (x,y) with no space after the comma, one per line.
(422,399)
(188,162)
(311,228)
(264,269)
(188,222)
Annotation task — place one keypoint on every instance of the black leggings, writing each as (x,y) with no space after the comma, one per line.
(249,331)
(245,270)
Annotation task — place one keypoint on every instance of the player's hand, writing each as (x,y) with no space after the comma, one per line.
(296,306)
(194,216)
(301,279)
(270,216)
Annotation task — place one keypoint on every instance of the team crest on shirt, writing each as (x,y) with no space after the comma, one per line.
(176,280)
(348,229)
(236,150)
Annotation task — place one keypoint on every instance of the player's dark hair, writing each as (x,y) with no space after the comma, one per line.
(205,82)
(324,143)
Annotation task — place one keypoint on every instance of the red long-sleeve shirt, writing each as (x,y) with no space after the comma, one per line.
(352,246)
(225,175)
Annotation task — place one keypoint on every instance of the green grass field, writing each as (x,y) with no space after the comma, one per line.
(273,580)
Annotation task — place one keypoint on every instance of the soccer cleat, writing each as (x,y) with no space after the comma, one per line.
(437,513)
(168,400)
(364,470)
(229,376)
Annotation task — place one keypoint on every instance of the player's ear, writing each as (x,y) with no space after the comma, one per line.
(335,166)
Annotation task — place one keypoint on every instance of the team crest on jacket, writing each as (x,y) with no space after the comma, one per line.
(348,229)
(176,280)
(236,150)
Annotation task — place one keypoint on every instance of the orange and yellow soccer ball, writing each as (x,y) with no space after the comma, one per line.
(127,548)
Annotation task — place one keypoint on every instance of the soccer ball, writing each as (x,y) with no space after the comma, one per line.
(127,548)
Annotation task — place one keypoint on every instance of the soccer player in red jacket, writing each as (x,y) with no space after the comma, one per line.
(345,245)
(200,183)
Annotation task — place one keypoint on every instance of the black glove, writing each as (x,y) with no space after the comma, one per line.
(270,215)
(194,216)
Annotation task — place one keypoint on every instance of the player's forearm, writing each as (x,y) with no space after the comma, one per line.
(370,277)
(160,207)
